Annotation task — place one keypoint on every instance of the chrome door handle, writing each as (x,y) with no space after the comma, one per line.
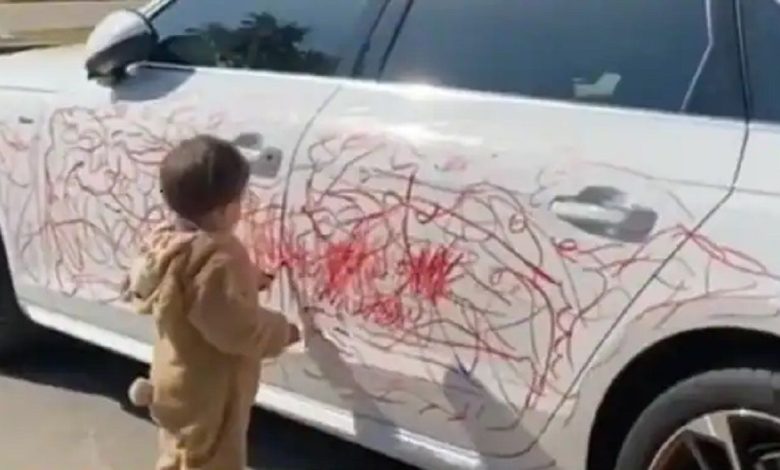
(248,140)
(264,162)
(602,211)
(268,163)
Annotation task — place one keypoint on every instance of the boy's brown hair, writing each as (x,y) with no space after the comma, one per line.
(202,174)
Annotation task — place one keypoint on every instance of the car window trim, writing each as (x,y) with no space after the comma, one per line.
(744,69)
(399,26)
(155,7)
(224,70)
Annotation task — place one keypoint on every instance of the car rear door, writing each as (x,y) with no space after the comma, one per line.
(480,212)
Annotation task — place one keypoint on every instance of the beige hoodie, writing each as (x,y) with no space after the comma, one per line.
(201,289)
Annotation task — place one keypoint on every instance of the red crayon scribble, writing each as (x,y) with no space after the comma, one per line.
(429,271)
(385,310)
(347,263)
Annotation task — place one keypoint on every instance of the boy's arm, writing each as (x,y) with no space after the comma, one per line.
(226,313)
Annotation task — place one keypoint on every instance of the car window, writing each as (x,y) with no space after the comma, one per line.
(672,55)
(300,36)
(762,39)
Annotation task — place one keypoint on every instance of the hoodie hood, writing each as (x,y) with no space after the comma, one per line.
(163,254)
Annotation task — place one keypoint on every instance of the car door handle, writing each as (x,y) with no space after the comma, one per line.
(248,140)
(264,162)
(602,211)
(268,163)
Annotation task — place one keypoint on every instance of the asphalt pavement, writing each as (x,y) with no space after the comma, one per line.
(64,407)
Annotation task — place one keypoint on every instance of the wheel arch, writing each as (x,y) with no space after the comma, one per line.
(705,348)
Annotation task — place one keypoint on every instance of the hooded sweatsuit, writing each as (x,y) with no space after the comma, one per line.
(201,289)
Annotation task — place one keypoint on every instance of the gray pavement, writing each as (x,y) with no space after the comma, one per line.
(64,408)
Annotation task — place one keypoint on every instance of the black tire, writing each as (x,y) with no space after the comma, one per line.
(16,330)
(751,389)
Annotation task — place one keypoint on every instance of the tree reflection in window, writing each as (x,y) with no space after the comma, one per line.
(260,42)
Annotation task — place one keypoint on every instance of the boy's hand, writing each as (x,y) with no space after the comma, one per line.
(294,334)
(310,330)
(264,280)
(124,289)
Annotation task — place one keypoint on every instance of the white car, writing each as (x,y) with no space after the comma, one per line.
(536,234)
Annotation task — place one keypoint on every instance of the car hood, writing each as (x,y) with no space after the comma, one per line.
(49,69)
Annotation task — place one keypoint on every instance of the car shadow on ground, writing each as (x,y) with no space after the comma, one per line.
(275,442)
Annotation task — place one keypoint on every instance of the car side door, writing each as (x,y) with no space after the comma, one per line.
(19,210)
(481,211)
(252,72)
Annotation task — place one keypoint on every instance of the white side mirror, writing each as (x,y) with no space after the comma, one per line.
(122,38)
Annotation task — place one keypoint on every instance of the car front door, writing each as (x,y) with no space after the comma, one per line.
(479,218)
(252,72)
(19,211)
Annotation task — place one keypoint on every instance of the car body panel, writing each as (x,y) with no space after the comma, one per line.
(468,180)
(465,323)
(47,69)
(517,160)
(21,120)
(726,277)
(720,280)
(758,173)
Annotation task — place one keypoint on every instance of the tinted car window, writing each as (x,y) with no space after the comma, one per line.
(671,55)
(762,37)
(301,36)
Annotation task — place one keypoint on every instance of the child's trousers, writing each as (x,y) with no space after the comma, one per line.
(218,449)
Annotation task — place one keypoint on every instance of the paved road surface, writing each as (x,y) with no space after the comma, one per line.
(65,409)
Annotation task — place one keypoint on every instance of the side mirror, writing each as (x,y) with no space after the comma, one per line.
(122,38)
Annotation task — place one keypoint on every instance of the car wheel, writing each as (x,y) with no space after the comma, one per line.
(724,419)
(16,330)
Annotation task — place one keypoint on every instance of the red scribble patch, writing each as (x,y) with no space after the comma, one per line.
(385,310)
(346,263)
(429,272)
